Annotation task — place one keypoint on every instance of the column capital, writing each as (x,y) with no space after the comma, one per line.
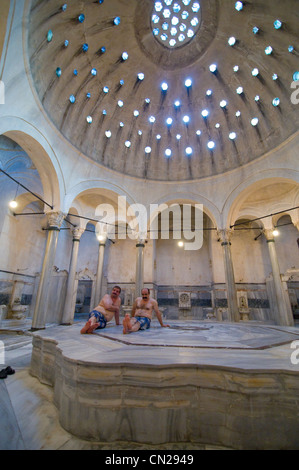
(225,236)
(77,233)
(55,220)
(268,232)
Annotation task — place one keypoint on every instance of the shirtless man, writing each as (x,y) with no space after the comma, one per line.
(142,314)
(107,309)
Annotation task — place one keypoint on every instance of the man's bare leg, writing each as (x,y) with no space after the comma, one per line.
(130,325)
(127,324)
(88,325)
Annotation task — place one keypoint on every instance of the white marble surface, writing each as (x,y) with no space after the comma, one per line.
(30,420)
(244,346)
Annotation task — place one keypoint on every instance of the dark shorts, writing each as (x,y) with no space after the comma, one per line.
(145,322)
(99,317)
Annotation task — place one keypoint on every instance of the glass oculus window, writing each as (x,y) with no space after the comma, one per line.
(174,23)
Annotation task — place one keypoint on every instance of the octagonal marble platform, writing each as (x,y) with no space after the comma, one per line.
(225,384)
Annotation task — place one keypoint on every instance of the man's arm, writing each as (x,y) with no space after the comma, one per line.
(159,315)
(106,303)
(134,309)
(116,316)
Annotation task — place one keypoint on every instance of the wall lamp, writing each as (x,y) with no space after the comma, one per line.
(20,184)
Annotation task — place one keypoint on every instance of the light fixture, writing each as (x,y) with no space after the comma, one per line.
(255,72)
(254,121)
(136,113)
(13,204)
(211,144)
(108,134)
(101,237)
(180,244)
(120,103)
(236,68)
(275,233)
(268,50)
(140,76)
(186,119)
(158,136)
(231,41)
(168,152)
(20,184)
(276,102)
(188,82)
(164,86)
(125,56)
(232,135)
(239,6)
(188,151)
(213,68)
(223,103)
(277,24)
(239,90)
(169,121)
(177,103)
(127,143)
(147,149)
(89,119)
(205,113)
(152,119)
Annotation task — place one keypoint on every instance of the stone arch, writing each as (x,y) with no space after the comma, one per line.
(191,198)
(232,208)
(42,155)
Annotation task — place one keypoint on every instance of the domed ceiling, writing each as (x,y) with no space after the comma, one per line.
(167,90)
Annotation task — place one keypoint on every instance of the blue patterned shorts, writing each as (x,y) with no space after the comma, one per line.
(145,322)
(99,317)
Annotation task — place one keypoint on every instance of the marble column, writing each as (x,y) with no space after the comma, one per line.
(285,316)
(232,301)
(71,290)
(98,282)
(40,311)
(139,268)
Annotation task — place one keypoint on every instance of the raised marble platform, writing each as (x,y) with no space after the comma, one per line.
(226,384)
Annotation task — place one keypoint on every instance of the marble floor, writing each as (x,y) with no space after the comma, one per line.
(30,420)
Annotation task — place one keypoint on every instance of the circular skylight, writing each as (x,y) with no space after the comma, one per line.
(175,23)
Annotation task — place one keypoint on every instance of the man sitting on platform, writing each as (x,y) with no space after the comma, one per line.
(142,314)
(107,309)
